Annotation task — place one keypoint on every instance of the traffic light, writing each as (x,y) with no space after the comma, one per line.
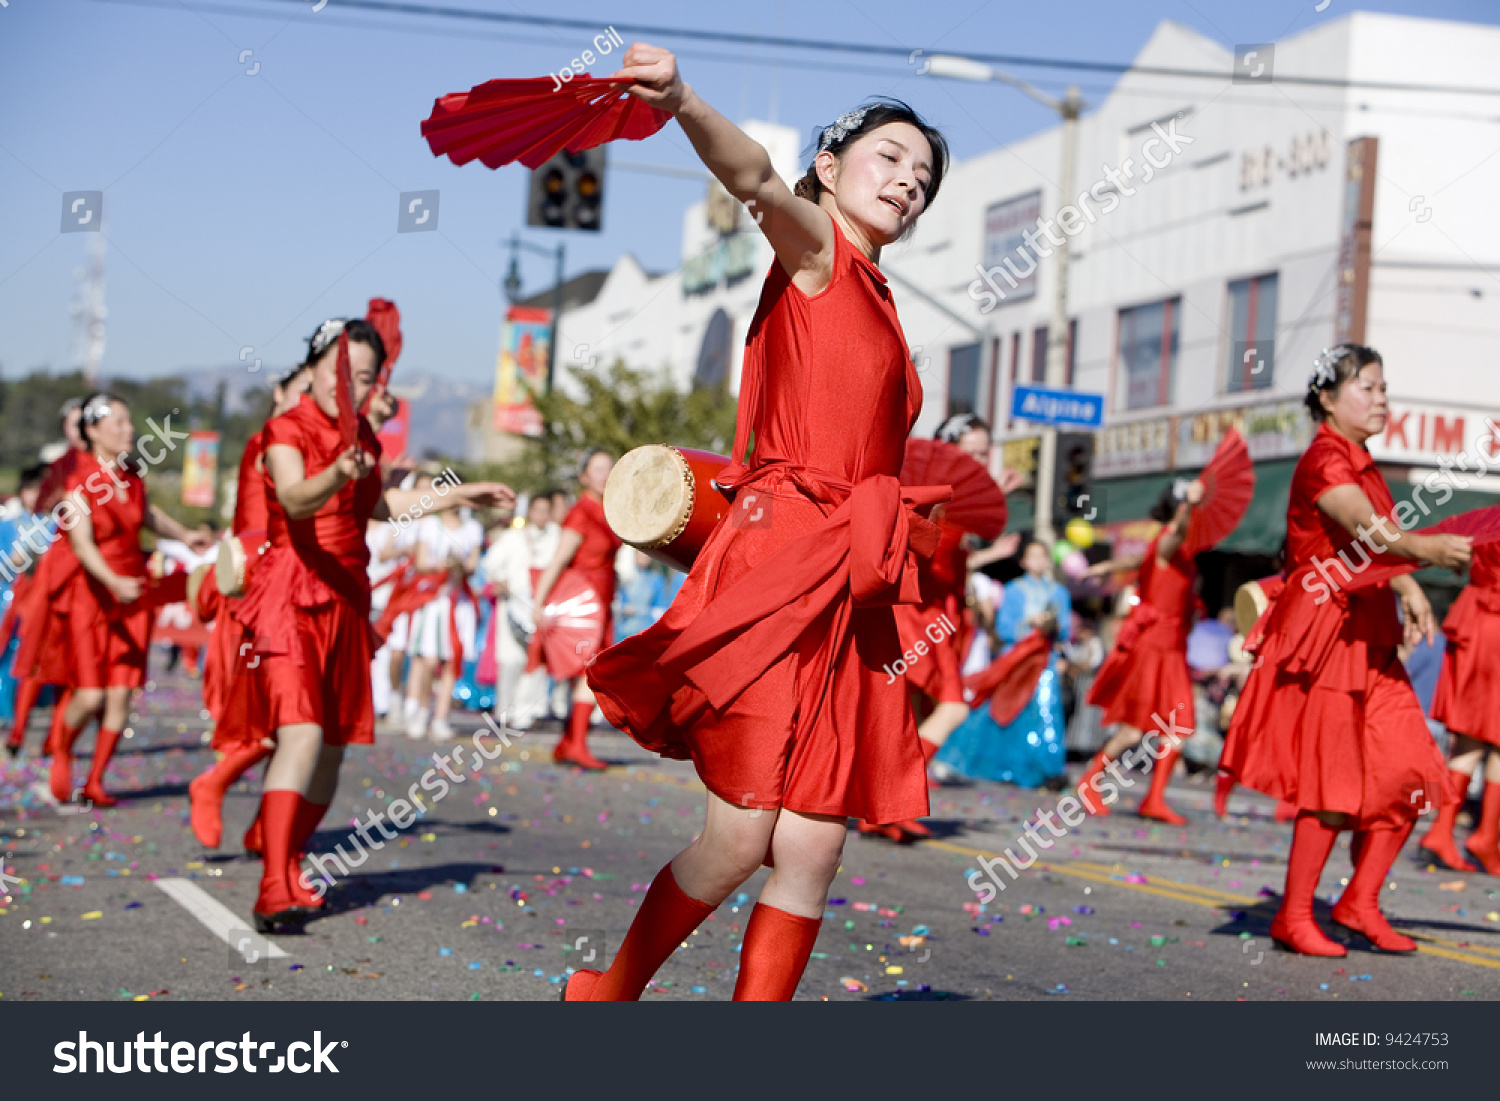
(567,192)
(1072,476)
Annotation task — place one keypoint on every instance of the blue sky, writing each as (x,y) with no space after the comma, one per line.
(242,209)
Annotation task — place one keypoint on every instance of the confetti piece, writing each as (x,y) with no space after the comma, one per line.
(91,915)
(1453,885)
(854,986)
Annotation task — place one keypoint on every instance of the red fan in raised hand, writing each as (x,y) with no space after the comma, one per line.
(1228,485)
(386,319)
(1481,525)
(978,504)
(532,120)
(344,393)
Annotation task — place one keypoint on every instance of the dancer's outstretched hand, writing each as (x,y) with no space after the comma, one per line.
(654,71)
(486,495)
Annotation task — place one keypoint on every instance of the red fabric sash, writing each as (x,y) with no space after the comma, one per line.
(1010,680)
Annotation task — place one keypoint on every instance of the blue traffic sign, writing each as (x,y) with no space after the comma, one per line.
(1071,407)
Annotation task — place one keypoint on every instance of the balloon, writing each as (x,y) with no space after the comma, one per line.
(1076,564)
(1080,533)
(1061,549)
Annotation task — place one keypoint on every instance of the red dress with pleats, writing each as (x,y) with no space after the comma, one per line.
(1146,674)
(1467,699)
(308,606)
(108,640)
(1328,720)
(939,672)
(220,666)
(768,670)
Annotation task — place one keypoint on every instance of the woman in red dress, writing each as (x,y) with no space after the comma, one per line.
(240,741)
(1467,702)
(308,606)
(108,624)
(586,550)
(1145,683)
(1328,720)
(769,669)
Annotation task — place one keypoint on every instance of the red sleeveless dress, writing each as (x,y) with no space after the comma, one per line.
(1146,674)
(108,640)
(250,515)
(938,673)
(769,668)
(1467,699)
(43,653)
(1328,720)
(308,606)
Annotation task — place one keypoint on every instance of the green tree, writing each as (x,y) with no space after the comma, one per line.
(621,409)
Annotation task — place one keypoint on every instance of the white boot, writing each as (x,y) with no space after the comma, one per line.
(416,724)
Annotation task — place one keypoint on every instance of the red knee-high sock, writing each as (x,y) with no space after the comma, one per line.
(59,717)
(278,816)
(26,693)
(1088,792)
(308,817)
(666,916)
(574,744)
(1484,842)
(774,954)
(1223,786)
(1155,803)
(206,793)
(1359,906)
(1438,840)
(1293,926)
(104,749)
(60,745)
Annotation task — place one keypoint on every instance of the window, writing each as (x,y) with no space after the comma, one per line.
(963,379)
(1148,353)
(1252,334)
(1039,353)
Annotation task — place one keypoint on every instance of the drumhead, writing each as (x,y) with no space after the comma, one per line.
(229,567)
(648,498)
(1249,602)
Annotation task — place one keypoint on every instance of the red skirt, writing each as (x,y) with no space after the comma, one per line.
(44,650)
(770,669)
(243,694)
(1328,720)
(108,641)
(938,672)
(1467,699)
(1146,675)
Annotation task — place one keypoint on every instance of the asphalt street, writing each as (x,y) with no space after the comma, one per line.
(521,869)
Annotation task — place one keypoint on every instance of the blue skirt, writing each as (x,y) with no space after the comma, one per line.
(1026,752)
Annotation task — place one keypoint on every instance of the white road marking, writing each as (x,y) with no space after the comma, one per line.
(223,922)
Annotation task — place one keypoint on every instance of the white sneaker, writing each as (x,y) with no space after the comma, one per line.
(416,725)
(440,731)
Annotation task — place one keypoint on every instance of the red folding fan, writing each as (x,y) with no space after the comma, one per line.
(1010,680)
(978,504)
(532,120)
(1481,524)
(1228,485)
(386,319)
(344,394)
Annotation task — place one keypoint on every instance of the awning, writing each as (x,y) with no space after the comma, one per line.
(1260,532)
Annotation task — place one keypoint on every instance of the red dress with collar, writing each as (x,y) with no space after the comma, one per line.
(1328,720)
(769,668)
(250,515)
(109,640)
(1146,674)
(1467,699)
(307,611)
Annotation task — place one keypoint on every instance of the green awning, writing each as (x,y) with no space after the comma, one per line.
(1260,532)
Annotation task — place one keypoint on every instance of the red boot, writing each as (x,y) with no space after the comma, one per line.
(1484,842)
(1438,840)
(665,918)
(253,841)
(275,904)
(206,793)
(774,954)
(60,744)
(891,831)
(1359,906)
(1293,927)
(1284,812)
(1223,787)
(573,747)
(1089,793)
(104,749)
(308,817)
(1155,804)
(26,692)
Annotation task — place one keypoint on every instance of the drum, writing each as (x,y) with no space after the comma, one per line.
(661,500)
(238,557)
(1252,599)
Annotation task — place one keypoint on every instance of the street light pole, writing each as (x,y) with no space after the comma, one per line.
(1068,108)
